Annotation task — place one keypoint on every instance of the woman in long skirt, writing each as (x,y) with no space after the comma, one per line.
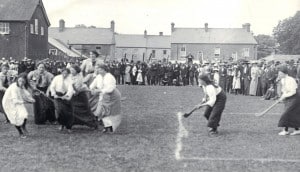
(254,80)
(44,109)
(290,117)
(214,101)
(77,95)
(14,100)
(236,81)
(93,99)
(58,88)
(109,107)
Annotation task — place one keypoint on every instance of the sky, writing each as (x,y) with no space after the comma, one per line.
(135,16)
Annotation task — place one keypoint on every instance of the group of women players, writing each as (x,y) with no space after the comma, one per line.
(68,98)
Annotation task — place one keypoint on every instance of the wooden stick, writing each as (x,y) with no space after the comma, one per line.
(267,110)
(189,113)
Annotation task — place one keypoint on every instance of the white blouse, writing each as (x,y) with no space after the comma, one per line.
(59,84)
(211,92)
(105,84)
(289,86)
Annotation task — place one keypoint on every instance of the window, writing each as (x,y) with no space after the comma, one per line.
(200,55)
(31,28)
(183,51)
(52,51)
(98,48)
(164,52)
(42,31)
(36,26)
(217,51)
(4,28)
(246,52)
(234,56)
(153,53)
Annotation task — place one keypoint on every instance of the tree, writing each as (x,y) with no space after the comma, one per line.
(266,45)
(287,34)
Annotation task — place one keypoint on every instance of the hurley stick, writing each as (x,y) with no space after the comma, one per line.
(267,110)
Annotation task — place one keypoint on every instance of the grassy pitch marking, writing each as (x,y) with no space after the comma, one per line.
(182,132)
(262,160)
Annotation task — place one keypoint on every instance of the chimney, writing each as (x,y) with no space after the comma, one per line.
(161,33)
(145,33)
(112,26)
(206,27)
(61,25)
(172,27)
(246,26)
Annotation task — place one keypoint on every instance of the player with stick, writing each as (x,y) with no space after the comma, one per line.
(290,97)
(214,100)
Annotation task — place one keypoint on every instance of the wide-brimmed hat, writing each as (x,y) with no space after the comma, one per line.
(25,59)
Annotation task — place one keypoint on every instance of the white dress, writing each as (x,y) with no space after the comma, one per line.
(14,105)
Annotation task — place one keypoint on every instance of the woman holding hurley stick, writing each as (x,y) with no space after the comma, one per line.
(290,97)
(214,100)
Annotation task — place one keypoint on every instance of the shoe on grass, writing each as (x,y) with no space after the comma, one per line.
(22,136)
(296,132)
(283,133)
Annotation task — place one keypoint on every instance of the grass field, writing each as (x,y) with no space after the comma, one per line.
(148,138)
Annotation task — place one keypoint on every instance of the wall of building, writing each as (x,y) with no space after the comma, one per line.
(159,53)
(105,50)
(13,44)
(226,51)
(135,54)
(37,43)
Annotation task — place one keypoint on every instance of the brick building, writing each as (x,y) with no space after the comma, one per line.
(142,47)
(207,44)
(86,39)
(23,29)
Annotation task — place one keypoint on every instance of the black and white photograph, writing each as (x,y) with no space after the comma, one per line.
(149,85)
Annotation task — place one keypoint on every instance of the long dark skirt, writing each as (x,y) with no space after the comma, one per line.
(291,114)
(213,114)
(1,106)
(81,111)
(64,112)
(43,109)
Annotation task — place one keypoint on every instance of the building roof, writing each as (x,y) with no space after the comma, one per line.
(155,41)
(83,35)
(130,40)
(281,58)
(70,51)
(212,36)
(140,41)
(20,10)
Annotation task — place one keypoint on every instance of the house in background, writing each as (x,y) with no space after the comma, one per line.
(142,47)
(23,29)
(281,58)
(207,44)
(61,52)
(86,39)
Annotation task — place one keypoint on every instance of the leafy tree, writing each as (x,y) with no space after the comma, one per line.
(266,45)
(287,34)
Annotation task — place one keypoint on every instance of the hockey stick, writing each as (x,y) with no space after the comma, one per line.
(193,110)
(267,110)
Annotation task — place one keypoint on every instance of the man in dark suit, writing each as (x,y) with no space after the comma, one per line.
(223,75)
(245,83)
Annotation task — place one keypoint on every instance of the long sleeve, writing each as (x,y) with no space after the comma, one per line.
(97,83)
(53,86)
(210,91)
(109,83)
(289,87)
